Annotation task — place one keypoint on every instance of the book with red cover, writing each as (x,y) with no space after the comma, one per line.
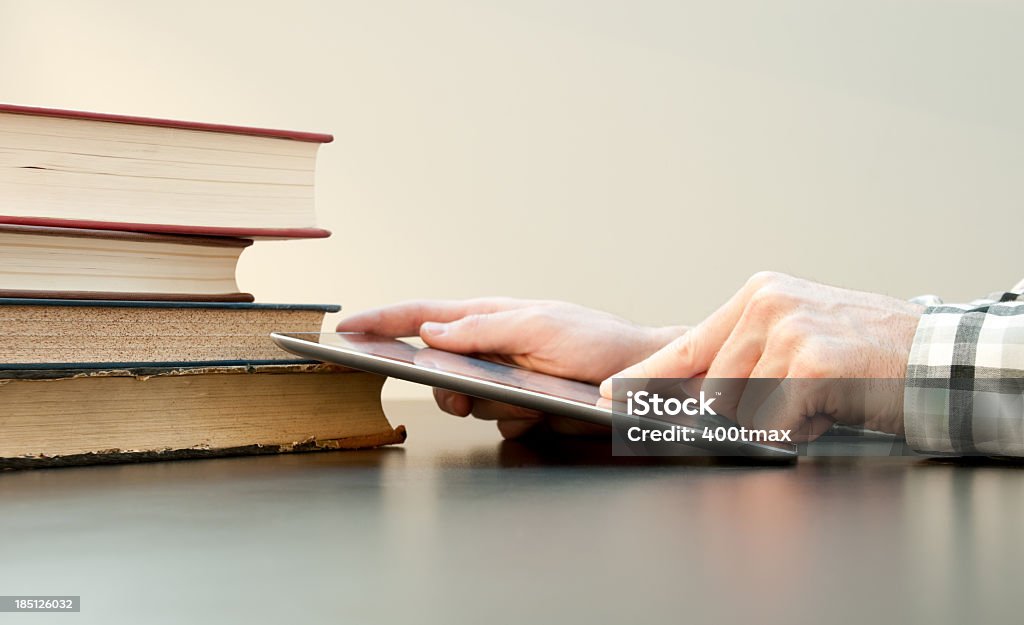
(312,137)
(78,169)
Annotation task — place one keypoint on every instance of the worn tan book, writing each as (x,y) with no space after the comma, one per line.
(49,333)
(63,417)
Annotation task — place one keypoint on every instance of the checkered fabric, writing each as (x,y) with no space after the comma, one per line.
(964,391)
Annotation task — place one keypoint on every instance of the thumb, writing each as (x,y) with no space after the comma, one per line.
(675,360)
(489,333)
(692,353)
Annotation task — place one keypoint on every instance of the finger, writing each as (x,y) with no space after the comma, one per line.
(565,426)
(763,380)
(693,352)
(728,374)
(795,406)
(453,403)
(692,386)
(505,332)
(488,410)
(517,428)
(551,424)
(406,318)
(742,349)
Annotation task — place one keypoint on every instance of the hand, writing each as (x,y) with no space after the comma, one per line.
(778,326)
(560,339)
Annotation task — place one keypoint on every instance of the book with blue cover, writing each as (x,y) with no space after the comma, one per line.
(64,416)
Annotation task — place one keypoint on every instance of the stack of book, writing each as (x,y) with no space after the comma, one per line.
(123,334)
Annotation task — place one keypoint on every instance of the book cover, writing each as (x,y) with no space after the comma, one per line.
(80,169)
(104,333)
(73,263)
(38,111)
(66,417)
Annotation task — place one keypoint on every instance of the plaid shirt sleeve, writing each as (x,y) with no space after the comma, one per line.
(964,392)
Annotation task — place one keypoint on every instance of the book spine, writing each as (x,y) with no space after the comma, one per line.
(213,231)
(127,297)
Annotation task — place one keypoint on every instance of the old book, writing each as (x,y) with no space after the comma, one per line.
(70,263)
(114,172)
(66,417)
(35,333)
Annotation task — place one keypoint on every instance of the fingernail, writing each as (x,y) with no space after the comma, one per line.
(606,388)
(432,328)
(449,403)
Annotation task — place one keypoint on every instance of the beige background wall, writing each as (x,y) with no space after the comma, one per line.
(641,157)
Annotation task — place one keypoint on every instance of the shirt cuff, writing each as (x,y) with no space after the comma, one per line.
(964,391)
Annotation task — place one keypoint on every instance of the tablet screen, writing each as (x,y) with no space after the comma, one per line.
(457,364)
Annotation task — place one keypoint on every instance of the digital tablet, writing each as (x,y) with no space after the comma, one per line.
(477,378)
(455,372)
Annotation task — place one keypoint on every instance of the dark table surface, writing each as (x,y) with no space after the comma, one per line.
(459,527)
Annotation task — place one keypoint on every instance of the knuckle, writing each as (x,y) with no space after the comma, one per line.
(765,278)
(489,303)
(772,299)
(470,323)
(790,331)
(553,303)
(503,301)
(537,316)
(763,301)
(805,370)
(413,304)
(810,362)
(682,347)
